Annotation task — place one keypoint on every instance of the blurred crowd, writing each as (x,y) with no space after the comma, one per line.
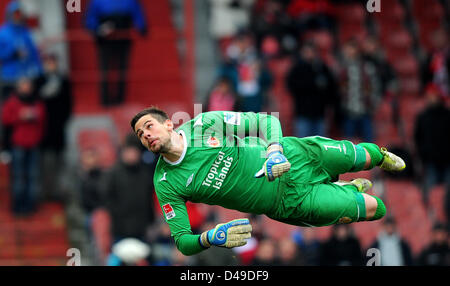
(336,88)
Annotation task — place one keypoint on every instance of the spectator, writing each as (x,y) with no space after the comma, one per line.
(289,253)
(128,194)
(342,249)
(19,58)
(26,116)
(309,246)
(90,176)
(432,141)
(249,75)
(372,53)
(271,20)
(436,67)
(360,91)
(266,254)
(313,88)
(222,97)
(111,23)
(55,90)
(437,253)
(388,85)
(81,186)
(395,251)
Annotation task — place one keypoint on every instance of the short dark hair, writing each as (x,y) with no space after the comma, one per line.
(156,113)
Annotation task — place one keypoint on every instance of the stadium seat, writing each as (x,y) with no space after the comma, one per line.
(354,14)
(155,73)
(393,17)
(406,66)
(397,40)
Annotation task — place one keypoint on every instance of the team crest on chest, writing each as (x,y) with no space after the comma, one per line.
(213,141)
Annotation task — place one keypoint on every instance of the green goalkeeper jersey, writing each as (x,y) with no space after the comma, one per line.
(222,152)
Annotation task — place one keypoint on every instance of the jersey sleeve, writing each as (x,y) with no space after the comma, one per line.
(175,214)
(241,124)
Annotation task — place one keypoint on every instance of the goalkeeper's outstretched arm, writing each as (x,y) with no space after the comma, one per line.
(231,234)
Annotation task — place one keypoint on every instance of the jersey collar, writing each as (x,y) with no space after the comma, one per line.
(182,154)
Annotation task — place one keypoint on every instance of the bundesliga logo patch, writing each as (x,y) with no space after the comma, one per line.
(168,211)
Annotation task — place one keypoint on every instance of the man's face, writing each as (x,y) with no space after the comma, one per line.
(155,136)
(130,155)
(50,65)
(24,87)
(17,17)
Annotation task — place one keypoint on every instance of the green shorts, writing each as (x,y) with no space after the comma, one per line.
(309,198)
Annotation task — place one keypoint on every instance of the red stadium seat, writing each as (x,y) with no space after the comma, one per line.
(410,86)
(354,14)
(406,66)
(399,39)
(437,200)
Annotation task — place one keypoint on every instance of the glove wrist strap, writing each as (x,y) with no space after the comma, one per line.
(274,147)
(204,240)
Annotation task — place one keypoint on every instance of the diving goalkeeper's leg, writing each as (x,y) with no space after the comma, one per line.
(369,155)
(342,156)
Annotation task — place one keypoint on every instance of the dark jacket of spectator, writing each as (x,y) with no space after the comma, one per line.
(129,198)
(342,249)
(313,88)
(435,255)
(431,139)
(90,189)
(57,95)
(19,56)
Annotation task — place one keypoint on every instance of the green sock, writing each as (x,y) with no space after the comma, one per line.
(380,211)
(360,159)
(374,152)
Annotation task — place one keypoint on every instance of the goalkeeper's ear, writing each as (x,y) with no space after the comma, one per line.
(169,125)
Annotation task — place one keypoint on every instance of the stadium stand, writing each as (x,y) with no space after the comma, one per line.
(157,76)
(40,240)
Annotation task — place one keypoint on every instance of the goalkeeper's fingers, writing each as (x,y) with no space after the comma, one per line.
(240,229)
(238,236)
(275,172)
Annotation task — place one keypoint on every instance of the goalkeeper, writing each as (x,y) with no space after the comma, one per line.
(221,158)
